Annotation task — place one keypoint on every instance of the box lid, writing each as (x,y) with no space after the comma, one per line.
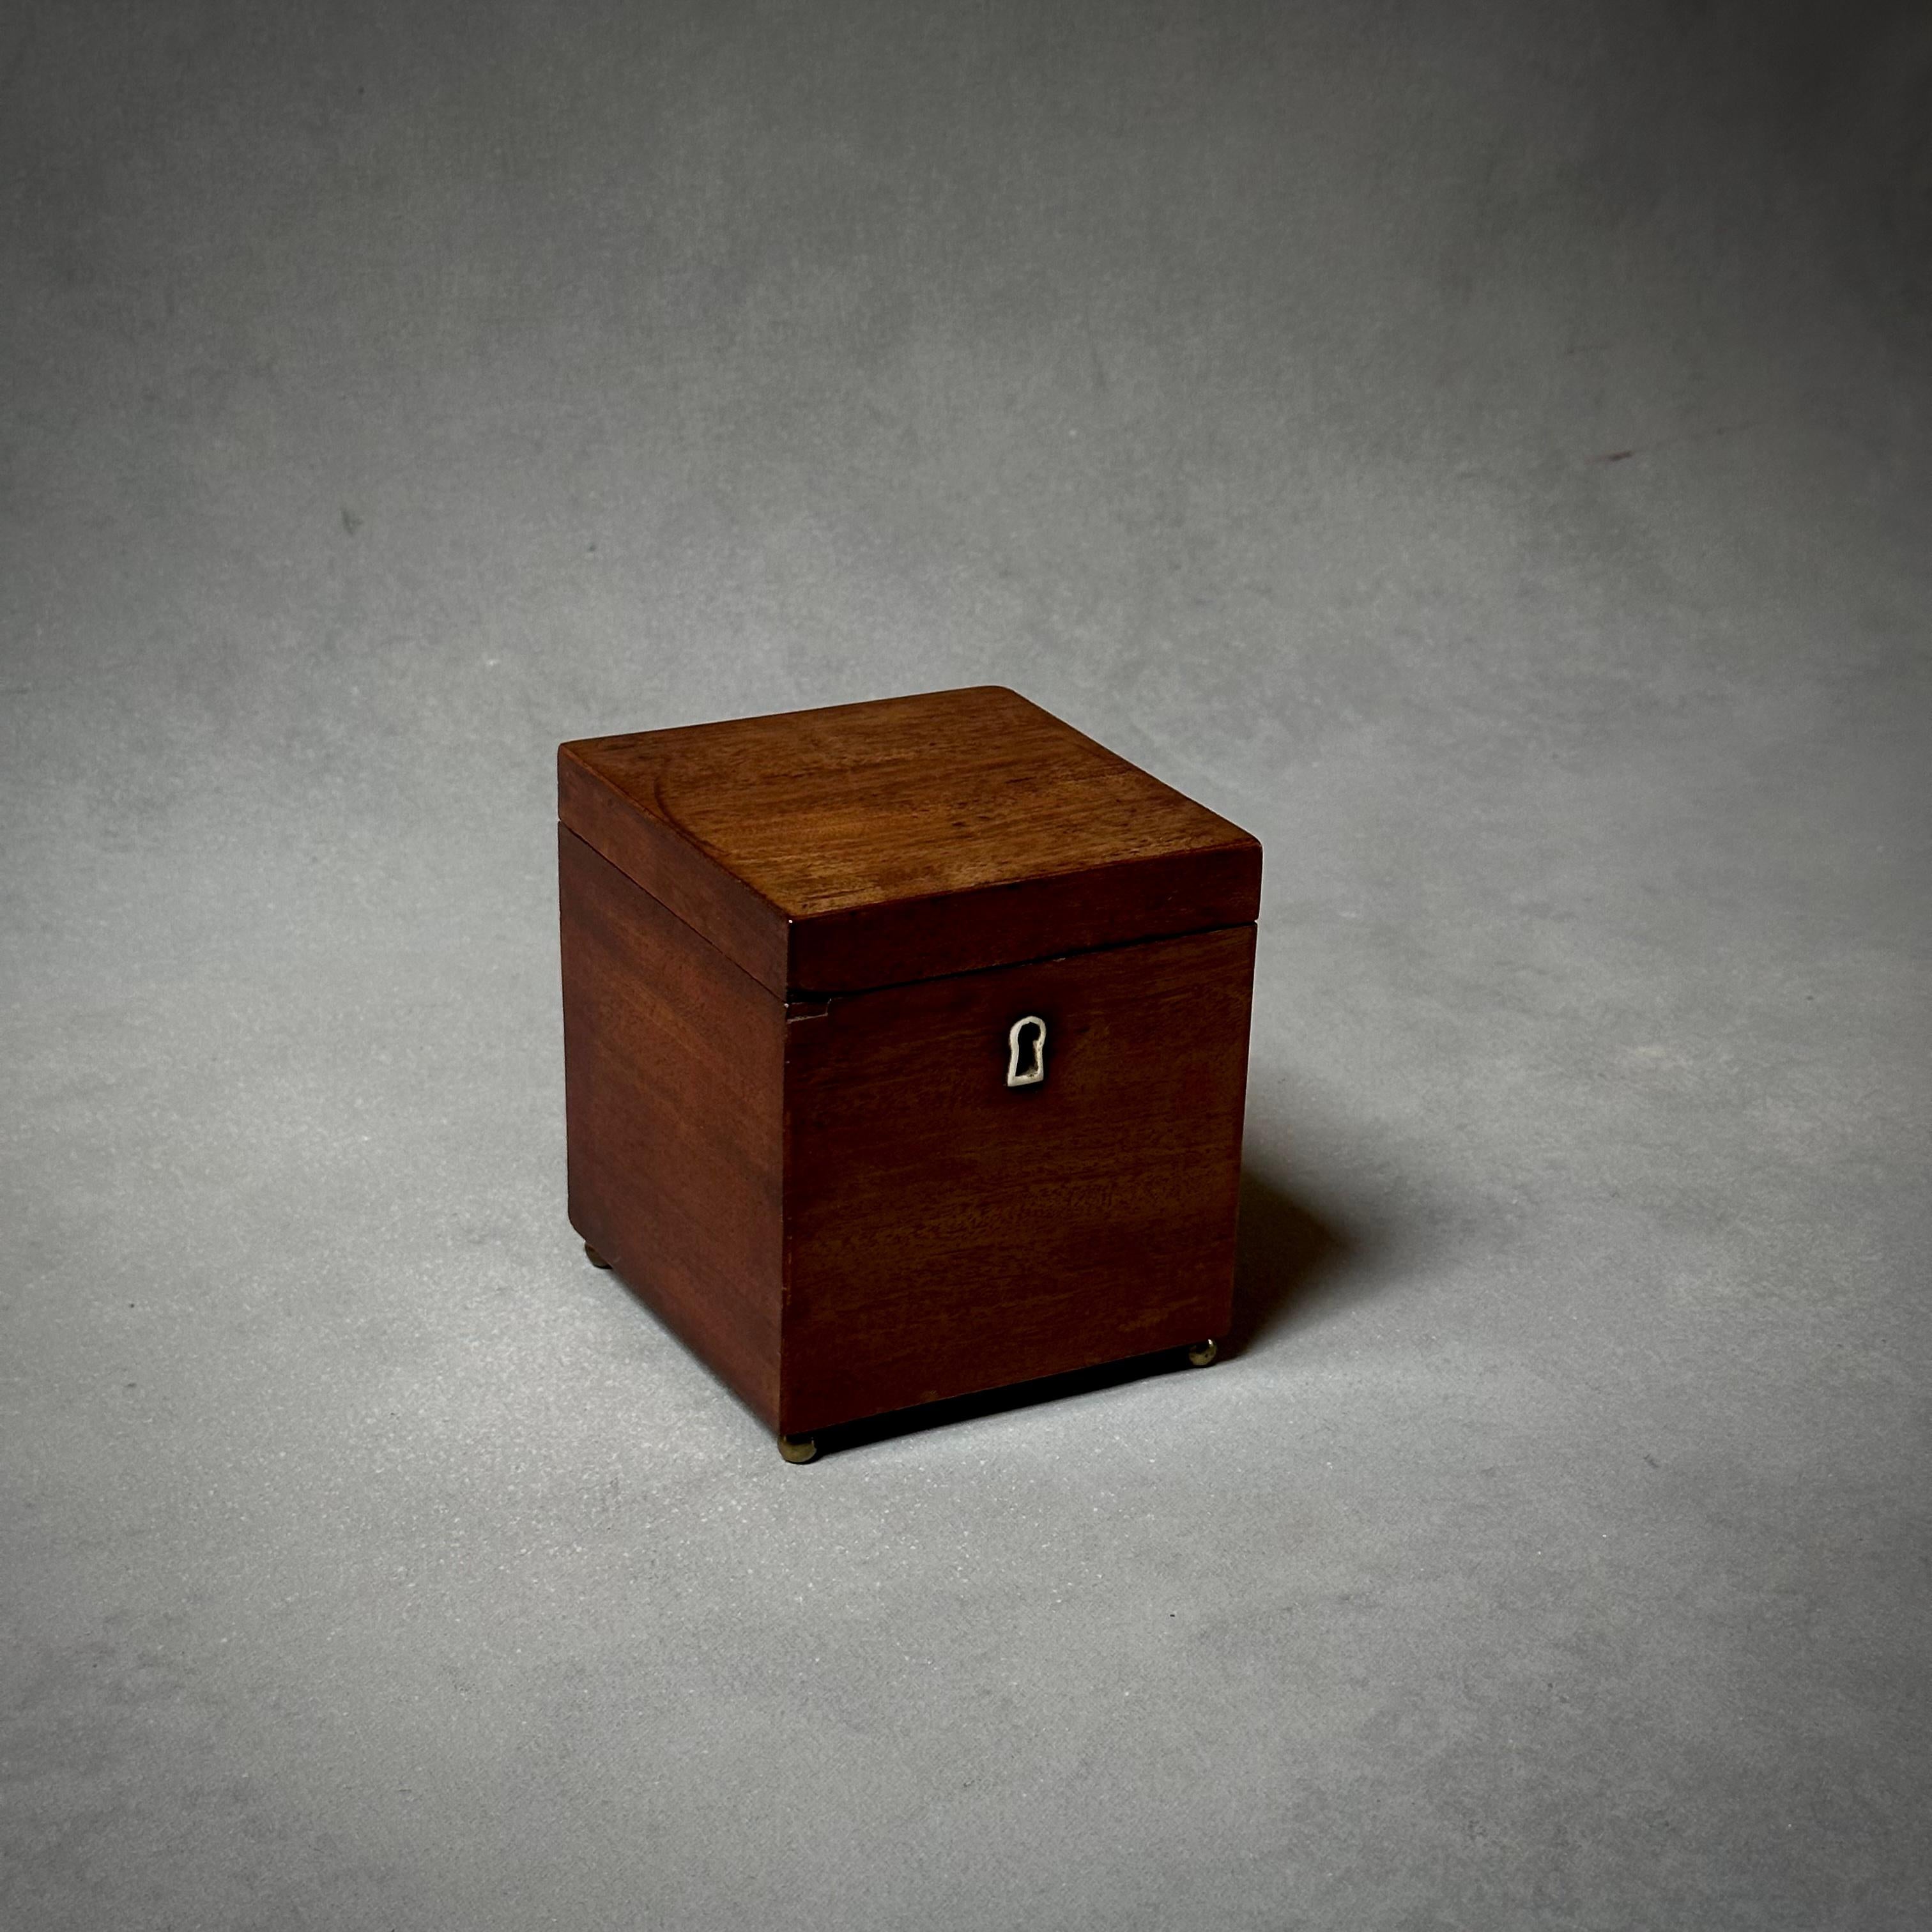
(868,845)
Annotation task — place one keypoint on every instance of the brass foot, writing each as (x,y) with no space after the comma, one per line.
(593,1257)
(798,1448)
(1202,1353)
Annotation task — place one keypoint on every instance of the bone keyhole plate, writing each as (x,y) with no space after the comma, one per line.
(1026,1063)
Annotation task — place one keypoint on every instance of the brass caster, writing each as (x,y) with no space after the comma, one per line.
(591,1255)
(798,1448)
(1202,1353)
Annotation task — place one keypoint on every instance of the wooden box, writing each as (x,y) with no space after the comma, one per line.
(905,1045)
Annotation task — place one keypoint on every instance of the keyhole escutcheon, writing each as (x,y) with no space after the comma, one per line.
(1026,1060)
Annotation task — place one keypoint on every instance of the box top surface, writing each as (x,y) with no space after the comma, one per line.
(864,845)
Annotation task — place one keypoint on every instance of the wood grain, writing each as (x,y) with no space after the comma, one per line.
(865,844)
(705,894)
(946,1233)
(792,950)
(674,1072)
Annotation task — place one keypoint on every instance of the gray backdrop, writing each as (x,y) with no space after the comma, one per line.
(1482,449)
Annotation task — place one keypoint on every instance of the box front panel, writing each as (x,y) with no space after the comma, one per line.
(947,1231)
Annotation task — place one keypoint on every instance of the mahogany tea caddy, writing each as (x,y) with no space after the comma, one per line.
(905,1047)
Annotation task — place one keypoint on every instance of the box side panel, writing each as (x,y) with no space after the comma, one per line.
(947,1232)
(674,1062)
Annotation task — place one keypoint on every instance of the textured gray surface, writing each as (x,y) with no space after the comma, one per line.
(1484,450)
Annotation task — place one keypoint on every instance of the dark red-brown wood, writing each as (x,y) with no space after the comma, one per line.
(865,845)
(673,1100)
(945,1232)
(790,965)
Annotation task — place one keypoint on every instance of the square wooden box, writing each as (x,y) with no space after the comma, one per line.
(807,962)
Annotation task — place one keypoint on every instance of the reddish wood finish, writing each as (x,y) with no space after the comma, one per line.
(945,1232)
(706,896)
(833,1195)
(866,844)
(673,1074)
